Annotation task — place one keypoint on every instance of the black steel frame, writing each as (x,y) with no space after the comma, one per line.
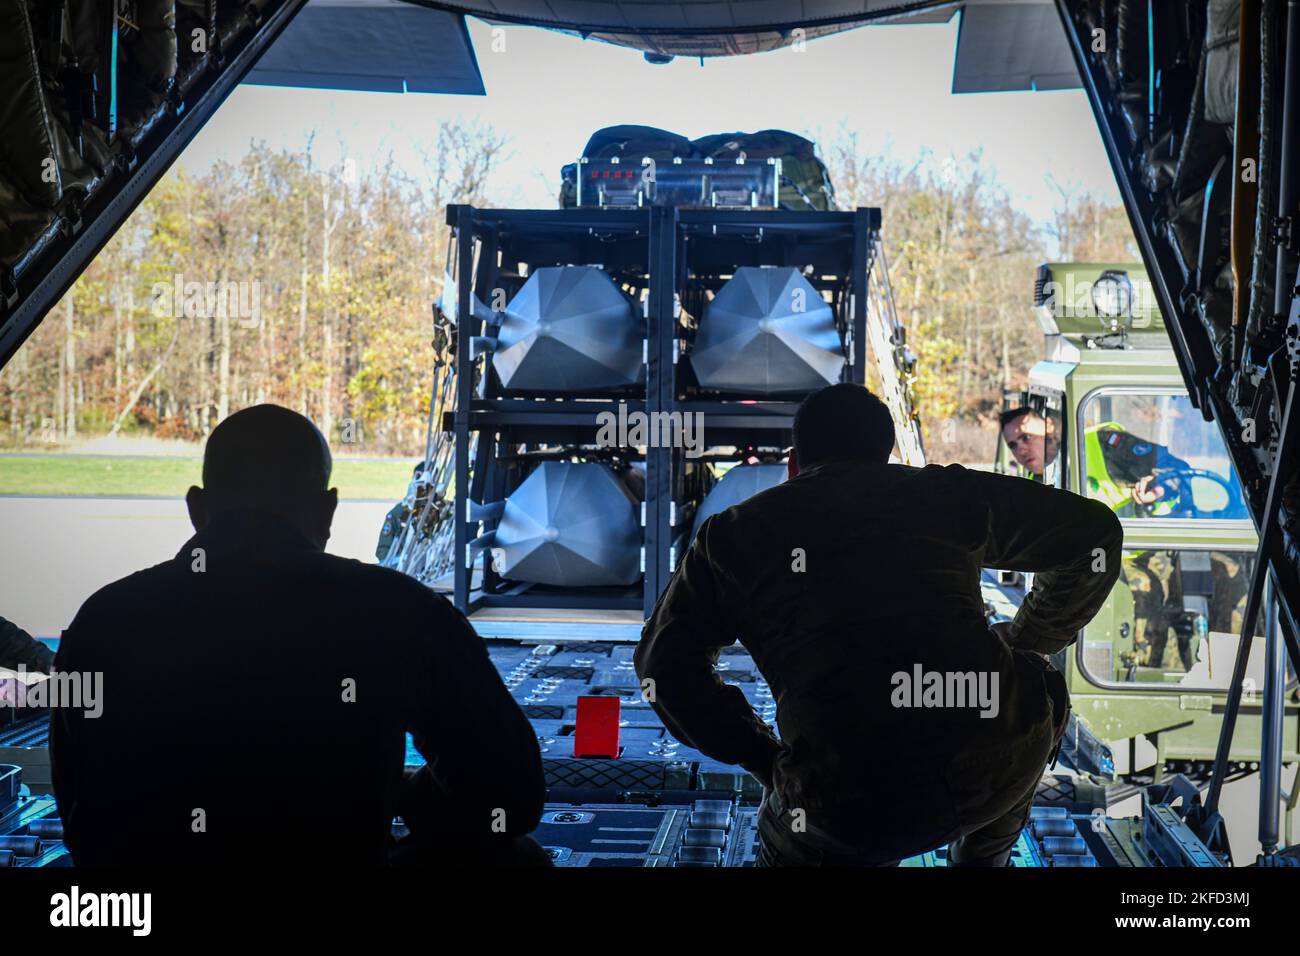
(666,245)
(717,242)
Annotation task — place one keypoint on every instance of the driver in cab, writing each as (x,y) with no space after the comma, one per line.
(1122,468)
(1137,479)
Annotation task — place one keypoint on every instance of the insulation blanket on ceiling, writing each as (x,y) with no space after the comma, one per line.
(1221,61)
(27,147)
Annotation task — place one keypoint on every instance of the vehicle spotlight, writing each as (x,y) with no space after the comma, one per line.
(1112,294)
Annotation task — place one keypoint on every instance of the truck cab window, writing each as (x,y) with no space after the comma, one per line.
(1152,455)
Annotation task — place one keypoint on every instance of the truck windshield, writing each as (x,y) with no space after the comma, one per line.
(1152,455)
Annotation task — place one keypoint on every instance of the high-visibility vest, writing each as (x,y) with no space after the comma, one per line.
(1100,485)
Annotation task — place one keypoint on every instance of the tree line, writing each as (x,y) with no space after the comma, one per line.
(277,279)
(962,261)
(269,280)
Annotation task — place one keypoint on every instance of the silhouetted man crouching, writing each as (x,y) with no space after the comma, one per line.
(905,723)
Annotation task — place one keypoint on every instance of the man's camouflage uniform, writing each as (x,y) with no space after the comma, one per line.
(836,582)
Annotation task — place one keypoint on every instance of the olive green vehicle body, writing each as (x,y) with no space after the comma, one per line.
(1118,701)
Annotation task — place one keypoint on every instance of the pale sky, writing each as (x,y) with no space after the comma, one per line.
(547,92)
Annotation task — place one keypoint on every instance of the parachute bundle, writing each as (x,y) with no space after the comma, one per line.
(805,183)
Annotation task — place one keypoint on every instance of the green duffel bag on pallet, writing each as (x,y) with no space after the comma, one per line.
(629,144)
(804,181)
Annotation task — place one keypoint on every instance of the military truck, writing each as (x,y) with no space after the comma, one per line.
(1118,426)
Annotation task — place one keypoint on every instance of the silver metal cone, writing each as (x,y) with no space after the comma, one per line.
(570,524)
(569,329)
(767,332)
(741,482)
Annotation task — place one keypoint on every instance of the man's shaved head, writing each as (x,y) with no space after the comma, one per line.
(266,452)
(270,460)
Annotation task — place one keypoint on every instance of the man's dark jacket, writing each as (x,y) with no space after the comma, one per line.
(256,696)
(846,576)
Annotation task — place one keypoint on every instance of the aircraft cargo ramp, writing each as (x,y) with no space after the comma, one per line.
(1198,105)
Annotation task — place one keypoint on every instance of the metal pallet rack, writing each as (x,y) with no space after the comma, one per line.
(658,251)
